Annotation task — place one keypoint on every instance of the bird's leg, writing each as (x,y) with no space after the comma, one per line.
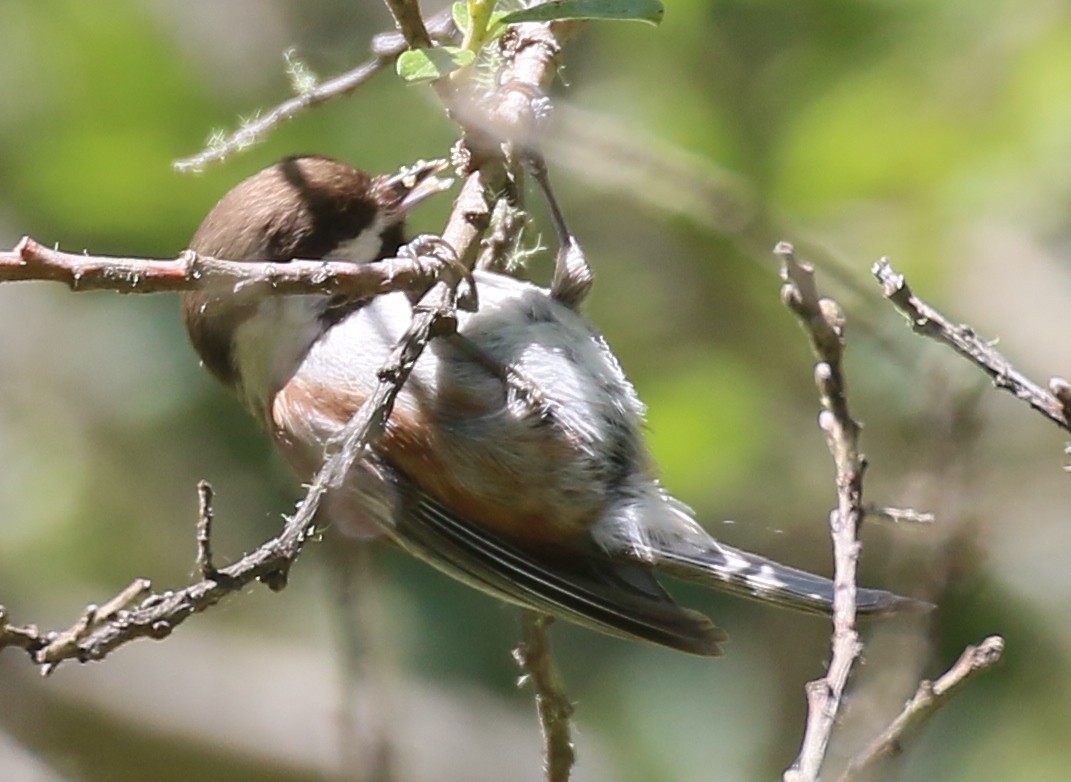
(437,251)
(572,274)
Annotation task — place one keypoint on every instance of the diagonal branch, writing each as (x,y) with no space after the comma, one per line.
(930,697)
(963,339)
(385,47)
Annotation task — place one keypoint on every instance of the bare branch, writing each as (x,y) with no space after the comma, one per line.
(824,323)
(897,515)
(410,23)
(555,710)
(927,321)
(26,637)
(533,55)
(30,260)
(930,697)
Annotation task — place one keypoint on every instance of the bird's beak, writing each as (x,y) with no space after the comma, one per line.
(402,191)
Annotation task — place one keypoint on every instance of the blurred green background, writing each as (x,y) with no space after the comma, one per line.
(937,133)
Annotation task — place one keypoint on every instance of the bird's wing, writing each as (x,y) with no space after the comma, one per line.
(622,600)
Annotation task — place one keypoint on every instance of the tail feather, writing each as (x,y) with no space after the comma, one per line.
(750,575)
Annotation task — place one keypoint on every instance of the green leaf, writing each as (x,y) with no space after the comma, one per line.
(650,11)
(460,12)
(417,66)
(495,25)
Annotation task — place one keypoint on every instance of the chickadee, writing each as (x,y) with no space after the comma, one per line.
(555,506)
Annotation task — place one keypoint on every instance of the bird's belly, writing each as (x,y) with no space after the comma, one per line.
(525,424)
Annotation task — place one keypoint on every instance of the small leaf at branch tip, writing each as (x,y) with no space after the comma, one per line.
(418,66)
(784,248)
(649,11)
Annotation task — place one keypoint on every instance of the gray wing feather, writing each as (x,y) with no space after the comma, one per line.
(622,600)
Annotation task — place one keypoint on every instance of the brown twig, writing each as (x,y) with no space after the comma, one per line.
(927,321)
(30,260)
(555,709)
(824,323)
(410,23)
(930,697)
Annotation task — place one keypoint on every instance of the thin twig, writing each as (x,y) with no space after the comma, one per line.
(927,321)
(893,515)
(205,515)
(252,132)
(385,47)
(30,260)
(25,637)
(824,323)
(555,709)
(930,697)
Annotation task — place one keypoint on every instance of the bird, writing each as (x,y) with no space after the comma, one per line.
(554,505)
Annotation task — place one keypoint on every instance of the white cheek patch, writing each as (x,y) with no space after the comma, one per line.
(365,246)
(269,345)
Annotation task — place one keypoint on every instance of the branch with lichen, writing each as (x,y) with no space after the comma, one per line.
(308,94)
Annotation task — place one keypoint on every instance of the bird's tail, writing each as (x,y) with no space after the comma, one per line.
(750,575)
